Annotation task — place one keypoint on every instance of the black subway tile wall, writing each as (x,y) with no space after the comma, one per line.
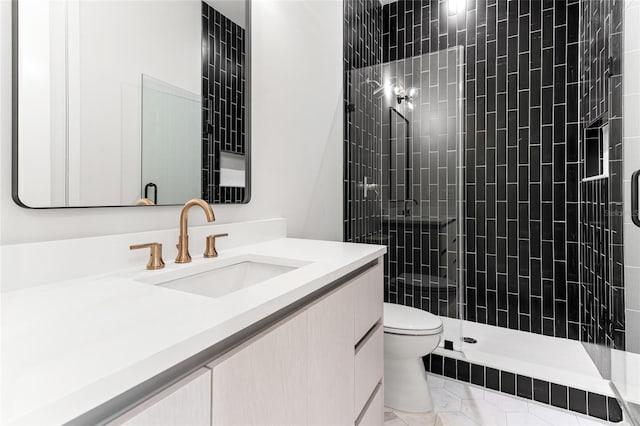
(524,386)
(541,391)
(577,400)
(601,251)
(463,370)
(507,382)
(223,101)
(477,375)
(542,249)
(559,396)
(363,117)
(492,378)
(521,161)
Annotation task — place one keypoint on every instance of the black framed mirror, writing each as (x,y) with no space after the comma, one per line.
(131,103)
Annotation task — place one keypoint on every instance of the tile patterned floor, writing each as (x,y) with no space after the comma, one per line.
(461,404)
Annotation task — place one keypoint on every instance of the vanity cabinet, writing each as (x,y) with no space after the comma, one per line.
(320,366)
(187,402)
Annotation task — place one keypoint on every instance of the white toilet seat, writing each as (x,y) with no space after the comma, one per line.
(403,332)
(405,320)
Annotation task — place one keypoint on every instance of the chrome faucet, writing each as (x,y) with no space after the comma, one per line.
(183,241)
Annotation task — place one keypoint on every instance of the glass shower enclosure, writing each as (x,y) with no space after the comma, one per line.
(171,166)
(410,178)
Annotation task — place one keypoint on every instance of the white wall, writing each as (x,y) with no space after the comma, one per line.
(236,10)
(296,135)
(38,67)
(159,39)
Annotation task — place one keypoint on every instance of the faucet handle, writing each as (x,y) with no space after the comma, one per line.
(155,258)
(210,250)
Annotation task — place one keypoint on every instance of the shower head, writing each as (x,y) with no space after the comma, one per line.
(380,87)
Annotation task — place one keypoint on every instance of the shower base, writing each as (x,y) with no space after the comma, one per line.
(544,369)
(556,360)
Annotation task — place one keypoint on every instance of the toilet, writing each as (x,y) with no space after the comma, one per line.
(409,334)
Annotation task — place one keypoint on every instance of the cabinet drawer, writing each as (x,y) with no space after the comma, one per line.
(369,289)
(369,367)
(373,414)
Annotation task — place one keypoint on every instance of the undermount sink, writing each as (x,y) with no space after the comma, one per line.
(225,277)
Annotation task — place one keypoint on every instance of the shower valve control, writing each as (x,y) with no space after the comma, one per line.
(366,186)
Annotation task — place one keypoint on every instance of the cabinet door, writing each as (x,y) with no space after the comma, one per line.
(264,382)
(188,402)
(331,362)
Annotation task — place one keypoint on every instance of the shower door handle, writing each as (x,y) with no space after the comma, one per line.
(635,214)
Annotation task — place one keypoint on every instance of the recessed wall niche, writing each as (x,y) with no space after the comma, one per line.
(596,150)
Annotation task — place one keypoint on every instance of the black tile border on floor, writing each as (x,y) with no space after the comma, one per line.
(565,397)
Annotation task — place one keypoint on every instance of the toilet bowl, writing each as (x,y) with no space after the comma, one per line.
(409,334)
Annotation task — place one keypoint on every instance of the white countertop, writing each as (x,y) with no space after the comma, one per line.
(70,346)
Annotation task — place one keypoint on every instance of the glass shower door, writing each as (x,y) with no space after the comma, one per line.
(171,152)
(404,158)
(422,184)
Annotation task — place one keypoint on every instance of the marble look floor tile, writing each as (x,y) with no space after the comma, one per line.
(394,422)
(413,419)
(525,419)
(460,404)
(483,412)
(506,403)
(454,419)
(435,381)
(589,421)
(463,391)
(389,415)
(553,416)
(443,400)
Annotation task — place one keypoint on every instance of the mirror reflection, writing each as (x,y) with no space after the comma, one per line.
(138,102)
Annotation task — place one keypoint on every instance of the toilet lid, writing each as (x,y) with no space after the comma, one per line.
(402,319)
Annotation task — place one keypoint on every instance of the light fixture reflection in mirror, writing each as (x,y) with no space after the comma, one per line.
(457,6)
(405,95)
(388,89)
